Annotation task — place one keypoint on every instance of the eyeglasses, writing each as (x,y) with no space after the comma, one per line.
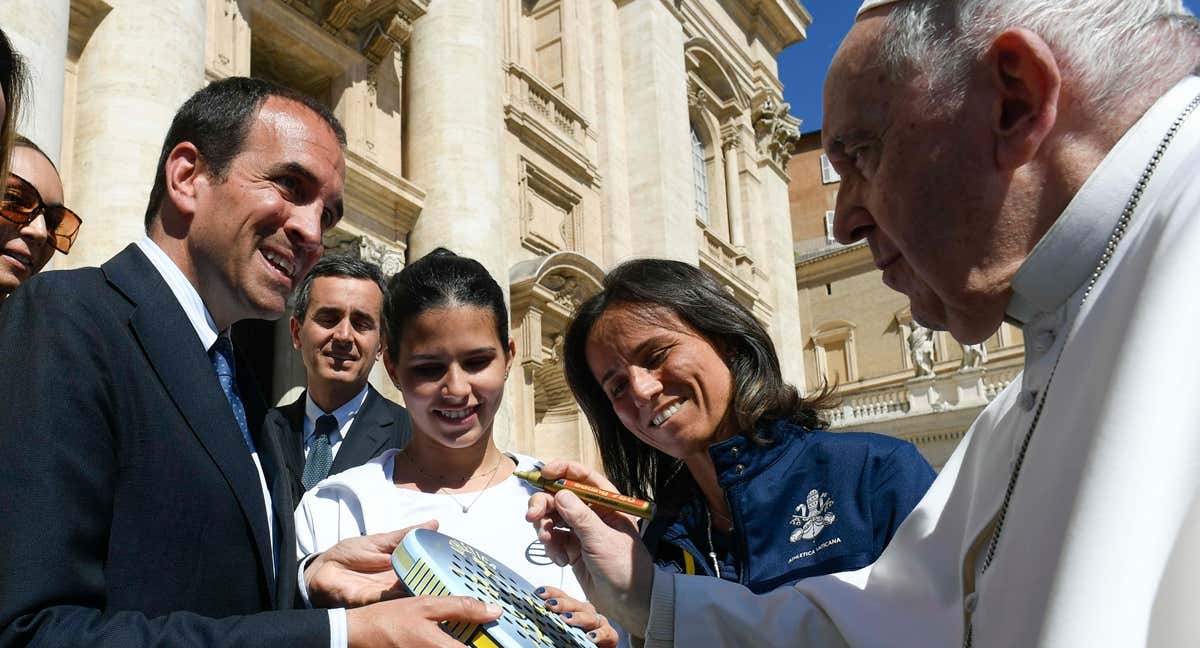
(22,204)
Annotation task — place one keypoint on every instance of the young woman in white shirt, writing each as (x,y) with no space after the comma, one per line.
(449,353)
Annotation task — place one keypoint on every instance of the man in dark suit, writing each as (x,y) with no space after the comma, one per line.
(340,421)
(145,505)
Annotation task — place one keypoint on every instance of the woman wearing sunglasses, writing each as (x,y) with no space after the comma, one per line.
(34,222)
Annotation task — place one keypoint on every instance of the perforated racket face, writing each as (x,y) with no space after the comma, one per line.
(433,564)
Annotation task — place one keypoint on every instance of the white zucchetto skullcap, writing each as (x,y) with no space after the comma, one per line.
(871,4)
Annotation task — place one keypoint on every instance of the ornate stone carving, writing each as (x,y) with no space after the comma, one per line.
(920,349)
(778,134)
(341,12)
(567,291)
(385,36)
(973,356)
(731,139)
(389,259)
(554,352)
(697,97)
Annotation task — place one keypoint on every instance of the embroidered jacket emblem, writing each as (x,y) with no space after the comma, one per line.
(812,516)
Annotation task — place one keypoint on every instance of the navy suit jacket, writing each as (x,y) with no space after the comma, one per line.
(135,514)
(379,425)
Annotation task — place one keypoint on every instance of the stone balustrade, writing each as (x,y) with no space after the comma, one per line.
(961,390)
(530,91)
(548,123)
(878,405)
(994,382)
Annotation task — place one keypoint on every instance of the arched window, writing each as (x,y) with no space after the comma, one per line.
(699,177)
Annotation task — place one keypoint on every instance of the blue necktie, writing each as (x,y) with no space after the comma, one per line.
(320,455)
(221,355)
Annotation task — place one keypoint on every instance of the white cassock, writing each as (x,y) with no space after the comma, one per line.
(1101,542)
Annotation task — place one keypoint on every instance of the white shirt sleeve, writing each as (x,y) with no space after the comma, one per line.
(300,583)
(338,634)
(306,540)
(700,610)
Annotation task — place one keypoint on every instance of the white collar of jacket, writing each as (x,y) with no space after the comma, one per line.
(1069,252)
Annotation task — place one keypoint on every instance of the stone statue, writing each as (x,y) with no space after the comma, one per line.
(973,356)
(920,348)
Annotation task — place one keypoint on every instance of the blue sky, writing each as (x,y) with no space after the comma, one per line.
(802,66)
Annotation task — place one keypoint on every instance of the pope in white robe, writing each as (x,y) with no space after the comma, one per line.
(1099,507)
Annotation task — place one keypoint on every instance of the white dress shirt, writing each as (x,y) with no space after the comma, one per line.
(1096,548)
(344,415)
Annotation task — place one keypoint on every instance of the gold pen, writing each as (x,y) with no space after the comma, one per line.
(590,494)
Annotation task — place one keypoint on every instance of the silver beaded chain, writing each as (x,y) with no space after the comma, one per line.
(1110,248)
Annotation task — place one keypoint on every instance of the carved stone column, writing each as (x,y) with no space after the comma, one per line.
(455,131)
(733,188)
(141,63)
(38,31)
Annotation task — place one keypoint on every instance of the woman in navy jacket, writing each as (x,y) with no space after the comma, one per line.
(683,389)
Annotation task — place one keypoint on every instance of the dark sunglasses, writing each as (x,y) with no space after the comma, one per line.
(22,204)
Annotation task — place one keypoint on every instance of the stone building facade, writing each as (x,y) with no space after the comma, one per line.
(890,374)
(550,139)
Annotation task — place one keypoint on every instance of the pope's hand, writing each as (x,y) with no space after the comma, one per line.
(357,571)
(603,549)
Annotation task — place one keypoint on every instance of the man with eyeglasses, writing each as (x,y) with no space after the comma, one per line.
(146,506)
(33,221)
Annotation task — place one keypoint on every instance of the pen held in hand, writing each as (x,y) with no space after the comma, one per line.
(590,494)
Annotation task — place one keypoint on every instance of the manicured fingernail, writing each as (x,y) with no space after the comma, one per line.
(540,590)
(592,635)
(552,602)
(494,609)
(568,615)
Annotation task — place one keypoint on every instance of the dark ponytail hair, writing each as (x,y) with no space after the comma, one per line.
(440,279)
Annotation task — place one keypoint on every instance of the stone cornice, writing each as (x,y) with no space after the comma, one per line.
(787,20)
(777,23)
(671,5)
(373,27)
(831,264)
